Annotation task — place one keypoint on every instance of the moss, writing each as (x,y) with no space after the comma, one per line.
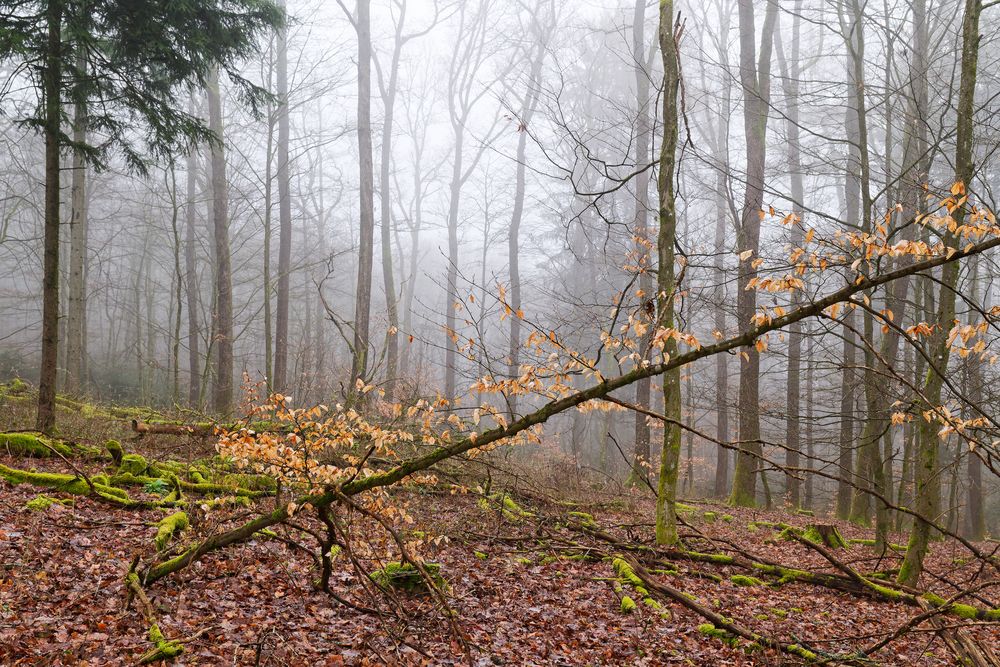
(508,507)
(780,613)
(168,527)
(29,444)
(885,591)
(832,538)
(709,630)
(586,519)
(175,495)
(252,482)
(115,450)
(684,508)
(66,483)
(480,555)
(523,561)
(628,605)
(41,503)
(963,610)
(128,479)
(162,649)
(743,580)
(728,518)
(133,464)
(625,573)
(801,652)
(405,576)
(870,543)
(805,512)
(718,559)
(710,517)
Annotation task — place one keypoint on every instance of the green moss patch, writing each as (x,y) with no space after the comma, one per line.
(65,483)
(168,528)
(162,649)
(30,444)
(404,576)
(41,503)
(743,580)
(709,630)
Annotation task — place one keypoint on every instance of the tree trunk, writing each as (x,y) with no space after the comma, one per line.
(755,78)
(76,315)
(222,399)
(191,284)
(366,237)
(666,286)
(928,481)
(45,419)
(790,74)
(719,271)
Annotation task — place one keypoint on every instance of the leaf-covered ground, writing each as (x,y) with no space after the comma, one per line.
(525,590)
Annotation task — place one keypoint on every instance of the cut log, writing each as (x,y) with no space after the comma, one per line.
(825,534)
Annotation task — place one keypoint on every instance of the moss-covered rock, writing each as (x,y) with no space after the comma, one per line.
(115,450)
(628,605)
(40,503)
(404,576)
(133,464)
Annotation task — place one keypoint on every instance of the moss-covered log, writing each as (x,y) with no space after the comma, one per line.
(66,483)
(128,479)
(32,444)
(168,528)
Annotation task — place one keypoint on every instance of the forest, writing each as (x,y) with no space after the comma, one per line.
(499,332)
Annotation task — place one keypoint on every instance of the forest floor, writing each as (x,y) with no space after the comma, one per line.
(527,587)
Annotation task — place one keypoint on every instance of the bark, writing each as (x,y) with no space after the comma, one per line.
(222,314)
(719,271)
(177,297)
(641,454)
(366,236)
(45,419)
(755,78)
(280,381)
(76,315)
(927,491)
(852,218)
(666,285)
(790,75)
(975,527)
(385,212)
(191,284)
(809,499)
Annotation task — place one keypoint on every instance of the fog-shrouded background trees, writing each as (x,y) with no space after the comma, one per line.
(410,194)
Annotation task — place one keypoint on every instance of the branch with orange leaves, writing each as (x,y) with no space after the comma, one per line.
(554,407)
